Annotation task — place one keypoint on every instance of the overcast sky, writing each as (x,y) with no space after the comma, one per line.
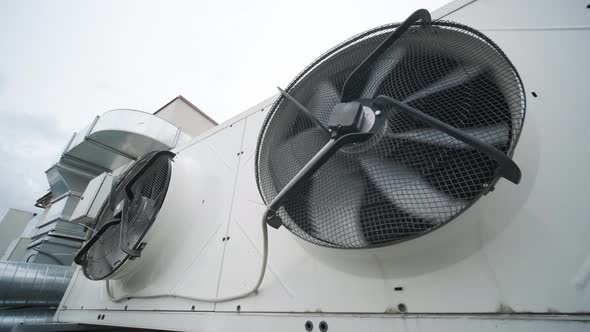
(64,62)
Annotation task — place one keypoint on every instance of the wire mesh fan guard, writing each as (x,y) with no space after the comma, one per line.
(106,256)
(410,179)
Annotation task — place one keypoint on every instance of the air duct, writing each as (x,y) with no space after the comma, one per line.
(36,316)
(33,285)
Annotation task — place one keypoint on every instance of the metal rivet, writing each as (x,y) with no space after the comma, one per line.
(238,308)
(402,307)
(377,112)
(308,326)
(323,326)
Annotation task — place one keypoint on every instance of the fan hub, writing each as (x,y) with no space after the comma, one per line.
(352,117)
(346,118)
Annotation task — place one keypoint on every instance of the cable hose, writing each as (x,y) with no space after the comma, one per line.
(254,290)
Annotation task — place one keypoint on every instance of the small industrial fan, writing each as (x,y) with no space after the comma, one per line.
(390,135)
(133,204)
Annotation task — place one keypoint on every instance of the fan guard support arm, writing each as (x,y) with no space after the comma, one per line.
(507,167)
(420,14)
(320,158)
(304,110)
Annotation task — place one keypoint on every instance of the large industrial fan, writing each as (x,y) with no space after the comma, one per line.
(125,218)
(390,135)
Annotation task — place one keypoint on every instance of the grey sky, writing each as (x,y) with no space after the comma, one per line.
(63,62)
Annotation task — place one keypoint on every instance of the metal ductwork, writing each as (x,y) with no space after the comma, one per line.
(119,137)
(32,285)
(110,141)
(35,316)
(106,145)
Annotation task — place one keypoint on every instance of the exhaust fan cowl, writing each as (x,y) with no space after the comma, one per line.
(390,135)
(126,217)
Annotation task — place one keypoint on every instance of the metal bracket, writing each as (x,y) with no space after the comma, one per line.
(507,167)
(420,14)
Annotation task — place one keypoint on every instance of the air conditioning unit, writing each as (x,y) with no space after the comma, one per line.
(403,186)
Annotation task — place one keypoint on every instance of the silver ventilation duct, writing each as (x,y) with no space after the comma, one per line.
(28,284)
(36,316)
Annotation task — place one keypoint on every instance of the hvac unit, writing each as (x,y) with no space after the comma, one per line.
(385,170)
(383,139)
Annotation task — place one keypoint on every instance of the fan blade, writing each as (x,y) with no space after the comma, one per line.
(383,67)
(303,109)
(357,73)
(335,200)
(493,135)
(291,155)
(507,168)
(459,76)
(325,95)
(403,186)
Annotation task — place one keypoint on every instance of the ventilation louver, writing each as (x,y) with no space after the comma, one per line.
(126,217)
(390,135)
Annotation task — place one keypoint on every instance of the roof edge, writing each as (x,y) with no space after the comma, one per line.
(181,97)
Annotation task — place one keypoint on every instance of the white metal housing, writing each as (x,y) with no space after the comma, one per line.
(94,196)
(519,259)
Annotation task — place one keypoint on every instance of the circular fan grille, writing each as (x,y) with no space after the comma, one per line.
(408,179)
(106,256)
